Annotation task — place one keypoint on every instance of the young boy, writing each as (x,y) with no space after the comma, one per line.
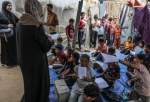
(82,82)
(92,93)
(102,46)
(129,43)
(81,32)
(60,55)
(117,36)
(95,29)
(70,32)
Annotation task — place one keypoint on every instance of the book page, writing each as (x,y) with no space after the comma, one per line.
(101,83)
(109,58)
(82,72)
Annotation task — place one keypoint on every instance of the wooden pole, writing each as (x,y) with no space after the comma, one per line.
(80,5)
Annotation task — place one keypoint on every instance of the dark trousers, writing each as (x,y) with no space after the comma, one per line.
(80,38)
(94,38)
(112,38)
(101,37)
(108,38)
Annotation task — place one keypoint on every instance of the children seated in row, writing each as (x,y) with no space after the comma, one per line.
(82,81)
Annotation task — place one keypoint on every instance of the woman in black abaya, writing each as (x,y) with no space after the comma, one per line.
(32,46)
(8,47)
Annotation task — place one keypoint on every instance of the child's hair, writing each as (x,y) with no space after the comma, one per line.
(76,55)
(85,56)
(59,47)
(140,56)
(71,20)
(143,43)
(92,90)
(95,16)
(50,5)
(101,40)
(59,39)
(110,19)
(130,37)
(82,13)
(111,51)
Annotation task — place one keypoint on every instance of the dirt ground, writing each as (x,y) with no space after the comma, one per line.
(11,84)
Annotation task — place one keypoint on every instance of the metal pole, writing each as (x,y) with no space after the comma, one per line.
(80,5)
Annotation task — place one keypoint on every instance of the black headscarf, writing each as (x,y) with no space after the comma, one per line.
(12,19)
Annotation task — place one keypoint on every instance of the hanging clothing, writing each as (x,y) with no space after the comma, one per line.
(32,47)
(8,48)
(141,22)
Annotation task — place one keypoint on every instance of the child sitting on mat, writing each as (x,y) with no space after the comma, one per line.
(85,76)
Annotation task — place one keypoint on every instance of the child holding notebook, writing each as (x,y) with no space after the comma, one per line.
(85,76)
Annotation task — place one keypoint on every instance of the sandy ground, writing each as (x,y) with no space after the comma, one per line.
(11,84)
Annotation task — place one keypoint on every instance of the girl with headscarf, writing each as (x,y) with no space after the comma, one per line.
(8,48)
(32,46)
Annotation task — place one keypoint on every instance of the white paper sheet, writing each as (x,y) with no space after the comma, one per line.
(82,72)
(101,83)
(109,58)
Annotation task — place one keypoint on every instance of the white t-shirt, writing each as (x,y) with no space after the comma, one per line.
(101,30)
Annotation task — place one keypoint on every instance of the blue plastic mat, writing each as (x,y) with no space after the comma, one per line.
(52,93)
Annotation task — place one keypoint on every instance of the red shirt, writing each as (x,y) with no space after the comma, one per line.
(82,23)
(70,31)
(61,57)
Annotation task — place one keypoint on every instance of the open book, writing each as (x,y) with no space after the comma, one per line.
(82,72)
(109,58)
(101,83)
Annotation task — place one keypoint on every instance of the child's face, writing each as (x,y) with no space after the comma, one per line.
(88,98)
(130,39)
(141,45)
(57,51)
(71,23)
(136,60)
(101,43)
(84,62)
(147,50)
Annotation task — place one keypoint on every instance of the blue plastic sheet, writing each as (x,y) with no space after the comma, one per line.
(52,93)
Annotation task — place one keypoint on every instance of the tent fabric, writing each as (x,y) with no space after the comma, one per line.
(126,21)
(67,4)
(141,22)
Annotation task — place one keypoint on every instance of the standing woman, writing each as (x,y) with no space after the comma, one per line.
(32,46)
(8,48)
